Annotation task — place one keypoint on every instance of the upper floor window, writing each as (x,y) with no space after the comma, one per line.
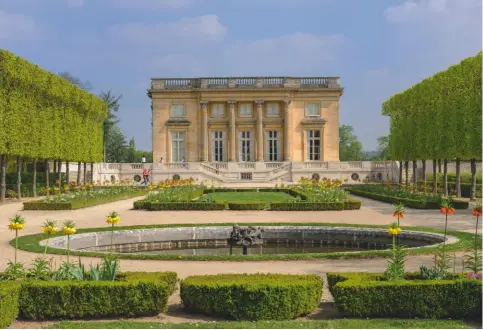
(178,111)
(218,110)
(273,110)
(313,110)
(246,110)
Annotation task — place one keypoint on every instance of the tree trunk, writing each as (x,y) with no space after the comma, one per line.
(424,174)
(415,179)
(78,173)
(47,179)
(91,178)
(85,173)
(439,165)
(400,171)
(445,177)
(473,180)
(67,173)
(59,174)
(34,178)
(435,177)
(19,177)
(406,168)
(55,166)
(3,187)
(458,177)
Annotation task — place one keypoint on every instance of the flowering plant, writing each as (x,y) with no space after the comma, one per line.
(16,223)
(394,229)
(113,218)
(68,229)
(395,267)
(50,228)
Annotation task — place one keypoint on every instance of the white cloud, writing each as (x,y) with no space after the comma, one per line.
(75,3)
(18,27)
(151,4)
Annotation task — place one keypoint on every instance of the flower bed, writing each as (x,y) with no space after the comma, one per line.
(252,296)
(177,206)
(465,188)
(133,294)
(82,199)
(391,195)
(367,295)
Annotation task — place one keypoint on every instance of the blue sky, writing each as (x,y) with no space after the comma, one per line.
(377,47)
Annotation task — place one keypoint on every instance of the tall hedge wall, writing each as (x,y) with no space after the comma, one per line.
(44,116)
(440,117)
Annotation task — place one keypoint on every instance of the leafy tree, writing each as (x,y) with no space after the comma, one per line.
(383,147)
(349,146)
(116,146)
(85,85)
(131,152)
(111,120)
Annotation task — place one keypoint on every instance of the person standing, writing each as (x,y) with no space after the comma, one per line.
(145,177)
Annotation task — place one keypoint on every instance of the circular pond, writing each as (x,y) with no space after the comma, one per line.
(215,240)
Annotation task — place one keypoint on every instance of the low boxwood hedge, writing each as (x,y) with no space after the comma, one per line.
(366,295)
(133,294)
(244,206)
(252,296)
(9,293)
(306,206)
(412,203)
(80,203)
(177,206)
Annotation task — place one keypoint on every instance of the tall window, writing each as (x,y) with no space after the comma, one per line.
(246,110)
(273,110)
(313,110)
(273,146)
(314,145)
(218,110)
(245,146)
(178,143)
(177,111)
(218,147)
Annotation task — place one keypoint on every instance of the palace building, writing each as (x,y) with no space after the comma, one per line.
(239,129)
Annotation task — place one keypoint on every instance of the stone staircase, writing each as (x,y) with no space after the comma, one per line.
(247,171)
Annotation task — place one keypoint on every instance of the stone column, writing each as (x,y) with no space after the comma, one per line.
(259,104)
(287,143)
(204,131)
(232,138)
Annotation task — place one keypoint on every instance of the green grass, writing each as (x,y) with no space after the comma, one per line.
(302,324)
(249,196)
(31,243)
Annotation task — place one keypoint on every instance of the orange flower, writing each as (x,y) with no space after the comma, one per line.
(443,210)
(398,214)
(477,211)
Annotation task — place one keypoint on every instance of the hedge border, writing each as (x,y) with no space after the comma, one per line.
(411,203)
(252,297)
(79,204)
(9,297)
(366,295)
(30,243)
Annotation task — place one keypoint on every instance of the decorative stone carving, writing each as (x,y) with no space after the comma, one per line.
(247,236)
(204,105)
(259,102)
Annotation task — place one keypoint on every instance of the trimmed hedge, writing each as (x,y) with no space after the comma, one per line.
(245,206)
(79,204)
(177,206)
(9,293)
(134,294)
(350,204)
(252,296)
(412,203)
(366,295)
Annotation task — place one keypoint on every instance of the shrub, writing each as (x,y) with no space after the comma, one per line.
(352,204)
(366,295)
(306,206)
(243,206)
(412,203)
(465,187)
(135,294)
(178,206)
(9,293)
(252,296)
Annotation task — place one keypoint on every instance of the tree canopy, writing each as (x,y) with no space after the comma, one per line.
(349,146)
(440,117)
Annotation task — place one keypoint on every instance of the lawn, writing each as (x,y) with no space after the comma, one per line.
(249,196)
(296,324)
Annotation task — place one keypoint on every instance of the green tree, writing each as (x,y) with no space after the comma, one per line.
(111,119)
(115,146)
(131,151)
(383,147)
(349,146)
(85,85)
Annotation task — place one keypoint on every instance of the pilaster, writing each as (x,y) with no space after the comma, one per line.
(232,133)
(204,131)
(259,104)
(287,134)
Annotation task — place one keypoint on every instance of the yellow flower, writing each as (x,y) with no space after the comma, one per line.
(69,230)
(15,226)
(113,220)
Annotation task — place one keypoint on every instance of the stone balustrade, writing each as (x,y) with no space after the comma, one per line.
(244,82)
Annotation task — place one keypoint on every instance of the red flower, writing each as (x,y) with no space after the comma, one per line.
(477,211)
(398,214)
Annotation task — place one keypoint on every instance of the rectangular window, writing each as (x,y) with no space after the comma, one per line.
(218,110)
(178,143)
(273,110)
(314,145)
(273,146)
(218,147)
(313,110)
(245,146)
(246,110)
(177,111)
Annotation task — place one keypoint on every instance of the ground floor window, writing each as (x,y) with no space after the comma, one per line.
(273,146)
(246,146)
(218,149)
(178,147)
(314,145)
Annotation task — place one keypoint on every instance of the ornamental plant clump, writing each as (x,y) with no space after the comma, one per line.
(86,193)
(69,229)
(326,191)
(395,268)
(112,219)
(473,260)
(16,223)
(398,212)
(446,209)
(50,228)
